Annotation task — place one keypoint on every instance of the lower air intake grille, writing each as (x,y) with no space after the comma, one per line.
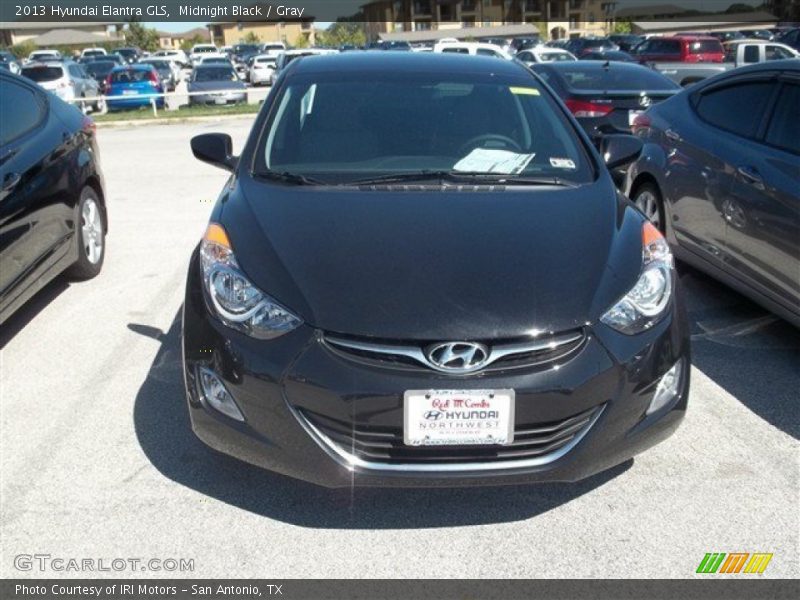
(374,447)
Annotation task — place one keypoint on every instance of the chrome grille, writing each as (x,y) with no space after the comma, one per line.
(383,448)
(504,355)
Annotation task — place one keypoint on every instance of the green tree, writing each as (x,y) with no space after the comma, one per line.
(188,43)
(251,38)
(622,27)
(740,8)
(301,41)
(542,27)
(143,37)
(343,33)
(23,49)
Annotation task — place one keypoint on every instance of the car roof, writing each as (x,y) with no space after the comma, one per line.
(690,38)
(407,62)
(40,64)
(133,67)
(785,64)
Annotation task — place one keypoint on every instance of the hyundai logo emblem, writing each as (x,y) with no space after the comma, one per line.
(457,357)
(433,415)
(645,101)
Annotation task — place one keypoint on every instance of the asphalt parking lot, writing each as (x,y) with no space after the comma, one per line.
(98,461)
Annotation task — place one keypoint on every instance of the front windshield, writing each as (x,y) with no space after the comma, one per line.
(347,129)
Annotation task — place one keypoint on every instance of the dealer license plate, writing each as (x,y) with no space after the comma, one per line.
(458,417)
(632,114)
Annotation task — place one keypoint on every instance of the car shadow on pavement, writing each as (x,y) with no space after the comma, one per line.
(163,430)
(749,352)
(28,311)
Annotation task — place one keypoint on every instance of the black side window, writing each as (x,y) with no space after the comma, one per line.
(22,110)
(736,108)
(784,127)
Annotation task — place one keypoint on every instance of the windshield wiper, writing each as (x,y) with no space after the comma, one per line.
(293,178)
(463,176)
(400,177)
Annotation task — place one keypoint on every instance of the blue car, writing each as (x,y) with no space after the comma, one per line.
(133,86)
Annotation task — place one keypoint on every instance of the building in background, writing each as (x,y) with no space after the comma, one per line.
(15,33)
(733,22)
(173,41)
(554,19)
(294,33)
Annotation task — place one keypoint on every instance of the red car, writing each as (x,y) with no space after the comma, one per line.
(691,49)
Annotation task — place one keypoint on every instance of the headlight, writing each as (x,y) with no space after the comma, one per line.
(647,301)
(238,303)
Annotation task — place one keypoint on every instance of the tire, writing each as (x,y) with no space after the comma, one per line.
(90,236)
(648,200)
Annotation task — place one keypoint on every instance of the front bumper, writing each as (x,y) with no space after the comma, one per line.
(276,383)
(219,98)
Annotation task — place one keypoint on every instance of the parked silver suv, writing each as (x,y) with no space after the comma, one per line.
(67,80)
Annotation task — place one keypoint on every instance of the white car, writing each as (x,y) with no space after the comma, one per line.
(200,50)
(213,57)
(262,70)
(473,49)
(93,52)
(542,54)
(178,56)
(43,55)
(273,48)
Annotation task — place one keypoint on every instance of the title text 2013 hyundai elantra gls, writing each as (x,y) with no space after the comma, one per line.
(420,273)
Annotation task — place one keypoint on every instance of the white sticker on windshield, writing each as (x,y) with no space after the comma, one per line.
(482,160)
(562,163)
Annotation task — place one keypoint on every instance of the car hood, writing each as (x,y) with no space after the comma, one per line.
(437,264)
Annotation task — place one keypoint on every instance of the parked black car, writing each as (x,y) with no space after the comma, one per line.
(52,200)
(606,97)
(626,41)
(790,38)
(580,46)
(129,55)
(720,175)
(519,44)
(459,298)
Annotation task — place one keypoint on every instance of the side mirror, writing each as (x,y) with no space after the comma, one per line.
(215,149)
(619,150)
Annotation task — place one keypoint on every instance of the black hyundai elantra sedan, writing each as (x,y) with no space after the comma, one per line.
(420,273)
(53,211)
